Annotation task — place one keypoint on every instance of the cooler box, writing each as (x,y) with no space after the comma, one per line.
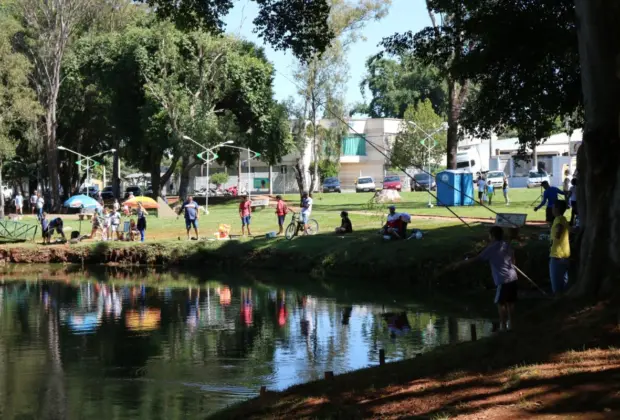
(467,189)
(449,188)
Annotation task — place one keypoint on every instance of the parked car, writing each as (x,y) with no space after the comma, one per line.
(92,190)
(331,184)
(535,178)
(107,193)
(392,182)
(365,184)
(496,178)
(422,181)
(149,190)
(134,189)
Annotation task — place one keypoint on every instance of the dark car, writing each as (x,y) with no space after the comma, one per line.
(107,193)
(91,191)
(331,184)
(133,189)
(149,190)
(422,181)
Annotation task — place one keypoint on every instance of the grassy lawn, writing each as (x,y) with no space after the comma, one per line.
(366,216)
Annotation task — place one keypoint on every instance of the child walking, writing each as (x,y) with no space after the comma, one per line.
(500,257)
(245,213)
(490,192)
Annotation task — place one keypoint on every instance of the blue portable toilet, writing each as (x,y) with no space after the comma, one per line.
(467,189)
(449,188)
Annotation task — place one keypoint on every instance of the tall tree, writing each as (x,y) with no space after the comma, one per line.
(18,105)
(321,80)
(50,27)
(440,45)
(413,142)
(395,84)
(599,157)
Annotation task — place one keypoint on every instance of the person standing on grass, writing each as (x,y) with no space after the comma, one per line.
(19,203)
(566,183)
(490,192)
(500,256)
(550,197)
(191,215)
(39,203)
(573,202)
(141,225)
(306,210)
(559,257)
(33,202)
(116,206)
(481,189)
(505,189)
(281,210)
(245,213)
(115,221)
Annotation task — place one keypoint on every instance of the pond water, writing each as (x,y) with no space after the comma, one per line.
(80,347)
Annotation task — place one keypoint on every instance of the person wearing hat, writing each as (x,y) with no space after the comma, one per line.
(345,226)
(393,225)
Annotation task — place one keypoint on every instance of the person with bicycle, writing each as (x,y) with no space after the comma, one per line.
(306,210)
(245,213)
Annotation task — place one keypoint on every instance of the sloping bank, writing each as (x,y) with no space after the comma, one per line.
(362,256)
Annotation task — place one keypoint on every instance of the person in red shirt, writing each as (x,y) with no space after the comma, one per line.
(245,210)
(281,210)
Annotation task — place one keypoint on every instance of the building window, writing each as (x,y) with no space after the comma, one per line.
(353,145)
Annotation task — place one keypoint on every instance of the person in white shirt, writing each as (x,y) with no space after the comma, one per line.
(306,210)
(116,206)
(19,203)
(115,221)
(40,203)
(33,202)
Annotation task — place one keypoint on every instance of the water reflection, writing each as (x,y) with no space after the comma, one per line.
(95,349)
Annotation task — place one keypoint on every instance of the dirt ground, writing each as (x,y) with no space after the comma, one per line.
(567,367)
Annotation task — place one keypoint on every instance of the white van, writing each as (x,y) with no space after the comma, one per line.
(474,160)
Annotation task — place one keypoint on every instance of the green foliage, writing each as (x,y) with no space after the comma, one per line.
(410,147)
(396,84)
(219,178)
(328,168)
(297,25)
(18,105)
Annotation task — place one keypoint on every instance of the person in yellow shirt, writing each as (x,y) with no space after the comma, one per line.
(559,260)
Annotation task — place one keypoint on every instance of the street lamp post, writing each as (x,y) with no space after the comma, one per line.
(88,159)
(430,146)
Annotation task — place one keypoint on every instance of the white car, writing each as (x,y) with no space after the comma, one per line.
(365,184)
(496,178)
(535,178)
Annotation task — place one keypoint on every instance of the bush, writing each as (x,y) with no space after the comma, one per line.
(219,178)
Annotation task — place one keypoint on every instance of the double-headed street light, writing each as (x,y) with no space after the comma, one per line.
(208,160)
(429,143)
(89,161)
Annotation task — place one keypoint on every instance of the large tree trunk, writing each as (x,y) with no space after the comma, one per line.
(52,152)
(599,161)
(116,174)
(187,163)
(457,94)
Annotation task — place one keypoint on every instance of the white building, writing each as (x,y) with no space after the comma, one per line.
(361,155)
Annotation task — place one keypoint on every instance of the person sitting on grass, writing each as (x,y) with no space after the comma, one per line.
(490,192)
(550,196)
(245,213)
(345,226)
(500,257)
(48,227)
(393,225)
(281,210)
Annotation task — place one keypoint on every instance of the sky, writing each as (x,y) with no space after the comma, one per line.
(403,15)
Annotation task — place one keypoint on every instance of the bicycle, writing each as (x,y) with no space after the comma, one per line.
(297,226)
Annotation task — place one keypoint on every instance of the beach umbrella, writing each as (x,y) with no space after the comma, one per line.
(147,202)
(79,201)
